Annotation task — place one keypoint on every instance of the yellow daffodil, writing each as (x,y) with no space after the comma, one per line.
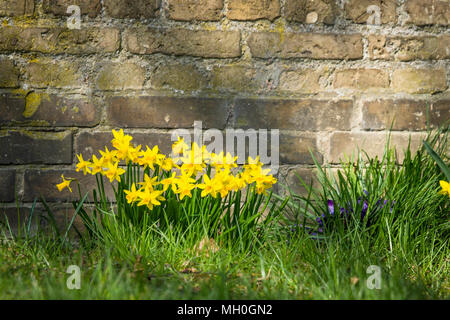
(208,187)
(170,182)
(223,182)
(150,198)
(149,157)
(148,182)
(179,146)
(108,156)
(167,164)
(445,187)
(65,184)
(253,164)
(120,138)
(133,194)
(185,184)
(97,165)
(83,165)
(114,172)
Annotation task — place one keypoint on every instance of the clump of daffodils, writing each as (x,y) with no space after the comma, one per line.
(152,176)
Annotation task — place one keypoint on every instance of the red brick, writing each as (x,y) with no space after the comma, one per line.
(22,147)
(301,115)
(166,112)
(201,43)
(306,45)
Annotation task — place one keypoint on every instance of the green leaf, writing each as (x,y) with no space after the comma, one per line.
(445,169)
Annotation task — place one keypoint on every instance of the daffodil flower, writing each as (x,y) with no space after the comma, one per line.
(83,165)
(114,172)
(170,182)
(97,165)
(133,194)
(445,187)
(208,187)
(65,184)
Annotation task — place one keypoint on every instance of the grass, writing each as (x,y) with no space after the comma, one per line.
(300,269)
(409,241)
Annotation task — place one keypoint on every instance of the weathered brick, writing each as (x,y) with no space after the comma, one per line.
(427,12)
(303,115)
(9,75)
(346,144)
(88,143)
(41,109)
(296,149)
(202,43)
(403,114)
(59,7)
(7,185)
(304,80)
(305,45)
(253,9)
(59,40)
(361,79)
(357,10)
(43,182)
(202,10)
(45,73)
(419,80)
(185,77)
(21,147)
(241,78)
(311,11)
(290,178)
(166,112)
(440,112)
(409,48)
(134,9)
(63,214)
(120,76)
(14,217)
(16,7)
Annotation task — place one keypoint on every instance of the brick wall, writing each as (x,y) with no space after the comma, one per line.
(314,69)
